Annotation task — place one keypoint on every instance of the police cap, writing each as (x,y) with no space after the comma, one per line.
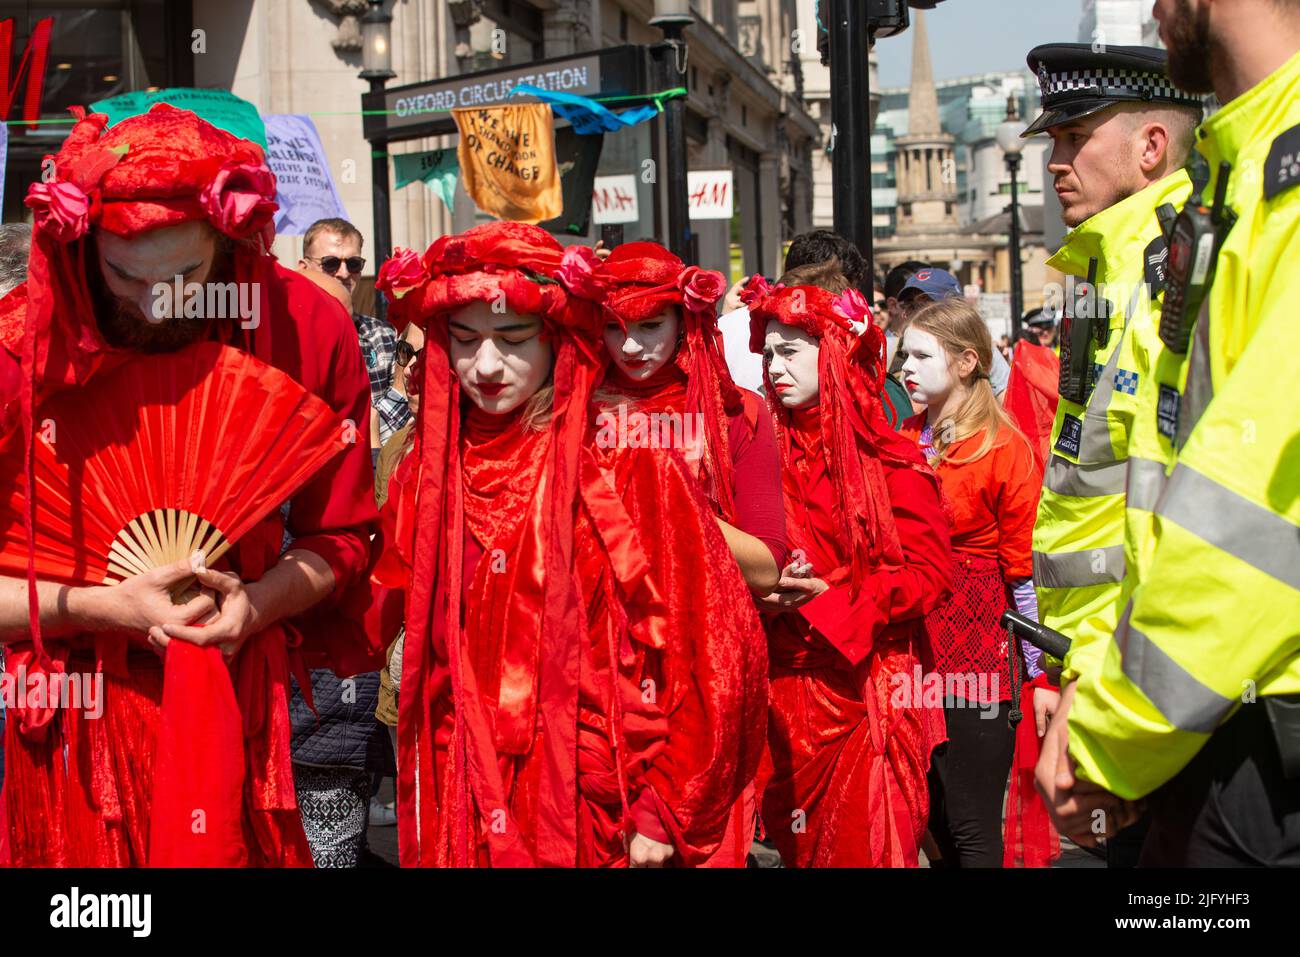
(1076,81)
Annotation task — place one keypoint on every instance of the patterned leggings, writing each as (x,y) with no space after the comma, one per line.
(335,806)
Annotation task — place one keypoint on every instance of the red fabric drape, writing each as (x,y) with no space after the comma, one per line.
(1032,394)
(198,765)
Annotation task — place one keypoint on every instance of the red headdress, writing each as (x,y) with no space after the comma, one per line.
(853,431)
(642,281)
(537,277)
(162,168)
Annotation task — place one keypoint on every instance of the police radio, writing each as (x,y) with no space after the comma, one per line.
(1080,334)
(1194,237)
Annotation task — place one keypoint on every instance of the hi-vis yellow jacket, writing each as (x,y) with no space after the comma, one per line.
(1214,617)
(1079,534)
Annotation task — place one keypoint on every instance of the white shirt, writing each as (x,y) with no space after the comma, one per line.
(746,367)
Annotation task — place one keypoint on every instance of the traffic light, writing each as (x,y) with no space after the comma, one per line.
(885,18)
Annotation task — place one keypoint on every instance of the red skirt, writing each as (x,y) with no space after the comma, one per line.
(969,643)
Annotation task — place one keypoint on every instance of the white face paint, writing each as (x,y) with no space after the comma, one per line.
(501,359)
(925,373)
(646,347)
(790,356)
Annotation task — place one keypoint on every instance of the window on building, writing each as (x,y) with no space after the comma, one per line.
(97,50)
(508,33)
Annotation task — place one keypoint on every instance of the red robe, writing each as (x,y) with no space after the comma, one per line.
(850,756)
(758,510)
(666,628)
(115,805)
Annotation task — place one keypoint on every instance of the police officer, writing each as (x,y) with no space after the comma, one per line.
(1193,704)
(1121,135)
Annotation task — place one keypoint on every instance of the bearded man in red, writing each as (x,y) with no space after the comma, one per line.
(850,747)
(156,197)
(583,682)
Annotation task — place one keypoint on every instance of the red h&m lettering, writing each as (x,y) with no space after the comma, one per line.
(34,56)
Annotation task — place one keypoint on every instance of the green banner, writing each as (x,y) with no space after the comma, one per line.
(437,169)
(221,108)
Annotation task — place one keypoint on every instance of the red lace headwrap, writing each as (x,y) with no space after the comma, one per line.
(642,281)
(537,277)
(854,432)
(162,168)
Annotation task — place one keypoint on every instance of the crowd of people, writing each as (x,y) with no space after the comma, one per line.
(627,567)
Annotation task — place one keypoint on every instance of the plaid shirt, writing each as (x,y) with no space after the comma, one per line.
(394,412)
(378,347)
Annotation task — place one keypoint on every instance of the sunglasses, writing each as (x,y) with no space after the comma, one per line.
(330,264)
(406,353)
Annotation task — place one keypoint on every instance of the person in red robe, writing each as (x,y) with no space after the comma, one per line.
(849,748)
(582,685)
(665,359)
(158,195)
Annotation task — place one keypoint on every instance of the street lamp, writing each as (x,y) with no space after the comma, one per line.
(673,17)
(377,69)
(1010,139)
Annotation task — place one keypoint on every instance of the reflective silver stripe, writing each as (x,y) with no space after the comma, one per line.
(1233,523)
(1084,481)
(1094,443)
(1093,566)
(1146,480)
(1199,389)
(1186,703)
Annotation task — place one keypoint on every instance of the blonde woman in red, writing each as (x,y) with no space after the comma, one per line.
(990,485)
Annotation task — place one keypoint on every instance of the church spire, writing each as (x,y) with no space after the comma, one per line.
(922,101)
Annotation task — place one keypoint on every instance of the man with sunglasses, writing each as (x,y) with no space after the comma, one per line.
(397,406)
(336,747)
(333,246)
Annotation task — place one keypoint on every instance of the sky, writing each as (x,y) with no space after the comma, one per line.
(979,36)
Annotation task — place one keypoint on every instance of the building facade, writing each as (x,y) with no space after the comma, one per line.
(744,108)
(949,185)
(1114,22)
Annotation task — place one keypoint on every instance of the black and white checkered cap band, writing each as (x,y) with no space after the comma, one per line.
(1133,83)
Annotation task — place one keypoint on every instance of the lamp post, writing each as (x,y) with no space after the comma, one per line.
(673,17)
(850,46)
(377,69)
(1009,136)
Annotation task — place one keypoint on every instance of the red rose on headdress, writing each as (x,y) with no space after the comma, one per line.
(240,200)
(852,306)
(757,288)
(60,209)
(701,288)
(400,273)
(578,273)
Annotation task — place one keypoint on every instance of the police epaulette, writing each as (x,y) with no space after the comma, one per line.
(1282,169)
(1155,258)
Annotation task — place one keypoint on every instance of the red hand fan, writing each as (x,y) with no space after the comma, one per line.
(158,458)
